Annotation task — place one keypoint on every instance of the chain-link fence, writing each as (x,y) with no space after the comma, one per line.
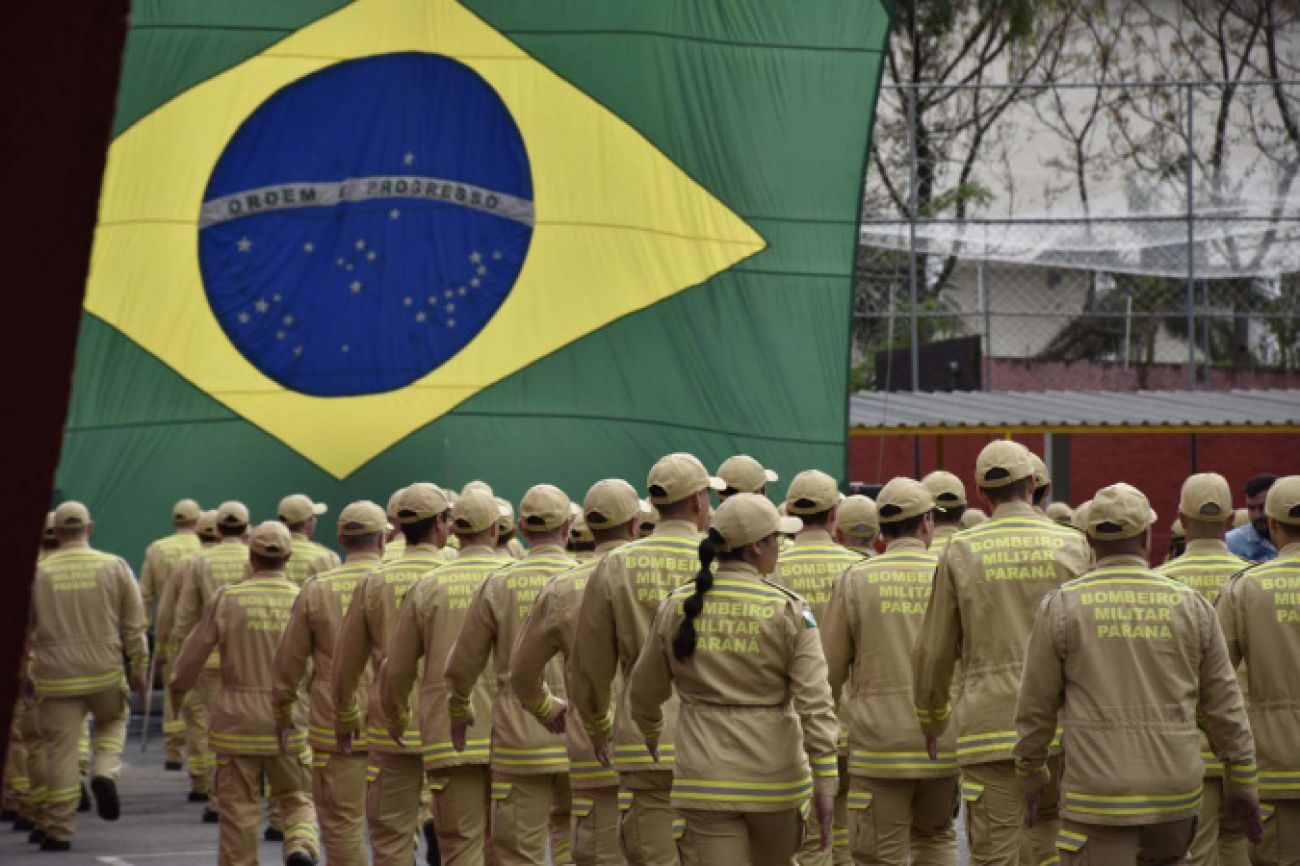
(1079,236)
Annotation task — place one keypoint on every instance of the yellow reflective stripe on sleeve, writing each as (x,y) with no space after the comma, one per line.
(372,772)
(1050,861)
(971,791)
(679,828)
(742,792)
(1132,804)
(624,800)
(603,725)
(825,767)
(1212,761)
(860,799)
(1243,774)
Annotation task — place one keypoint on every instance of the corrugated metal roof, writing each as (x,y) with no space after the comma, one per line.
(998,409)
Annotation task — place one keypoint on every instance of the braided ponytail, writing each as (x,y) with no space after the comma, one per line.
(684,642)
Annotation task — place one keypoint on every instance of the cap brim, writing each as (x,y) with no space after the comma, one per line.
(319,508)
(771,476)
(502,511)
(789,525)
(716,483)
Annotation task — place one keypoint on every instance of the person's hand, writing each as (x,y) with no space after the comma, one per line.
(556,723)
(1245,810)
(397,730)
(932,747)
(1032,799)
(282,731)
(458,731)
(343,737)
(603,755)
(652,746)
(825,806)
(139,686)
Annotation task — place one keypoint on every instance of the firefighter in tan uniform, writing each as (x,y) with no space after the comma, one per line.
(86,615)
(507,544)
(988,583)
(395,544)
(242,624)
(184,718)
(612,509)
(394,775)
(744,474)
(949,505)
(1205,504)
(745,658)
(1127,661)
(338,780)
(224,563)
(530,766)
(1260,613)
(619,604)
(857,524)
(428,625)
(809,568)
(582,542)
(299,514)
(901,802)
(1042,484)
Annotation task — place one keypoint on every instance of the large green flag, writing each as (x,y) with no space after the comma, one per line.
(346,246)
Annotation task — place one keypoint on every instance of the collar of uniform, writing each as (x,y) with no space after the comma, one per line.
(362,556)
(1291,551)
(470,551)
(607,546)
(1123,560)
(738,568)
(422,547)
(75,543)
(274,574)
(677,528)
(548,549)
(231,539)
(865,551)
(815,535)
(943,530)
(907,542)
(1206,545)
(1038,509)
(1015,508)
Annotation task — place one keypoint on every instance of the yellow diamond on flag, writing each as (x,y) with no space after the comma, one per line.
(258,285)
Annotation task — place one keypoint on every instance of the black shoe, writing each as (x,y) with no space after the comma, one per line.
(55,845)
(22,825)
(273,835)
(83,805)
(110,809)
(299,858)
(432,855)
(210,817)
(173,766)
(36,837)
(8,815)
(197,797)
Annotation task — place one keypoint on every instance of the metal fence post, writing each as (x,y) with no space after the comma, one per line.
(912,275)
(1190,108)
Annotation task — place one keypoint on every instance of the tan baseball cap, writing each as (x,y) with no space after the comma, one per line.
(47,532)
(649,514)
(391,510)
(580,532)
(1002,462)
(544,507)
(421,501)
(946,488)
(610,502)
(295,508)
(677,476)
(70,515)
(271,539)
(744,474)
(1080,520)
(232,514)
(1176,529)
(506,518)
(747,517)
(1061,513)
(185,511)
(1117,512)
(362,518)
(475,511)
(207,525)
(972,517)
(1283,501)
(1206,496)
(1041,478)
(1240,517)
(812,492)
(857,517)
(903,498)
(476,485)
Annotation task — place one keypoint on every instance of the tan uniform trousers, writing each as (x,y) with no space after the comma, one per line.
(810,853)
(757,838)
(995,816)
(83,747)
(338,788)
(1281,845)
(1220,841)
(594,827)
(527,811)
(461,803)
(894,822)
(646,827)
(173,723)
(202,762)
(61,722)
(1107,845)
(393,785)
(239,781)
(31,804)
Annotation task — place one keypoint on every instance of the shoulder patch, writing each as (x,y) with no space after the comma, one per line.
(809,621)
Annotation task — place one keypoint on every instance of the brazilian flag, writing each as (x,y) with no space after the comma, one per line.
(343,246)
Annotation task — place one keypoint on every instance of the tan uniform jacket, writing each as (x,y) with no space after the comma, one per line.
(874,617)
(1260,614)
(942,533)
(395,549)
(222,564)
(756,708)
(165,623)
(308,558)
(364,638)
(159,558)
(988,584)
(243,623)
(309,642)
(1129,659)
(1205,567)
(520,745)
(618,607)
(86,614)
(549,631)
(428,625)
